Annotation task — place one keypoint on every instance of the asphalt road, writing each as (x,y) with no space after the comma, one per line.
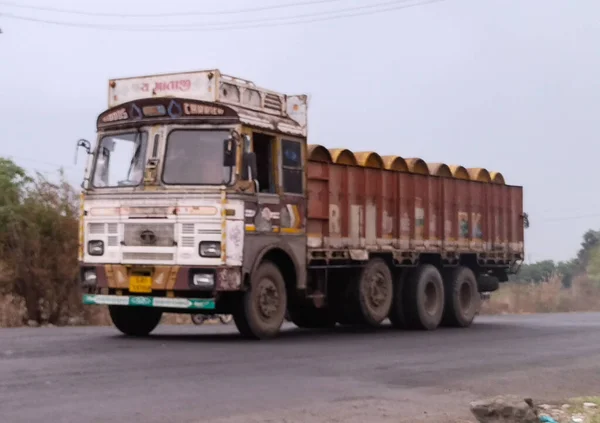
(198,374)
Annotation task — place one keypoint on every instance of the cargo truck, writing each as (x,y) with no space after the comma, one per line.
(202,195)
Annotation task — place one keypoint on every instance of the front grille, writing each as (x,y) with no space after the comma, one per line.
(149,234)
(96,228)
(187,229)
(148,256)
(187,241)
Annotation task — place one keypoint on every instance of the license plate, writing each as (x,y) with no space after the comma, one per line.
(141,284)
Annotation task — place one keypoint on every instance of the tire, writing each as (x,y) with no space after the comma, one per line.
(375,292)
(307,317)
(462,299)
(225,318)
(198,319)
(424,298)
(135,321)
(262,321)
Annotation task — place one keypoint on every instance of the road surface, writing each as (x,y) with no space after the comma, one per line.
(198,374)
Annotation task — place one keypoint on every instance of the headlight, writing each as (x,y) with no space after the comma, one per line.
(210,249)
(96,248)
(203,280)
(89,277)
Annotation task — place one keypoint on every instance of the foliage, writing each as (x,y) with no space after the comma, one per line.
(38,242)
(586,261)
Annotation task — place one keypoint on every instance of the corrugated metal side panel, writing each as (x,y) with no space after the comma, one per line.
(337,214)
(318,203)
(516,223)
(462,215)
(356,207)
(450,211)
(496,200)
(419,200)
(372,205)
(477,214)
(405,206)
(519,211)
(390,223)
(435,219)
(487,219)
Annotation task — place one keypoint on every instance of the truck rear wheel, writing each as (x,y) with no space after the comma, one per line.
(135,321)
(261,309)
(462,297)
(424,298)
(375,292)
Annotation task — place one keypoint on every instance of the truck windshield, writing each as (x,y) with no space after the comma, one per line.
(120,160)
(195,157)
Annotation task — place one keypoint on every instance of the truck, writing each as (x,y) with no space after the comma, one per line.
(201,195)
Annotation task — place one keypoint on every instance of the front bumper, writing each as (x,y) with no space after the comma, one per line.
(147,301)
(164,278)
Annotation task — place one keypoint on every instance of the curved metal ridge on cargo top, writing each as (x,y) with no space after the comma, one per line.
(369,159)
(318,153)
(343,156)
(497,178)
(418,166)
(459,172)
(440,169)
(396,163)
(479,174)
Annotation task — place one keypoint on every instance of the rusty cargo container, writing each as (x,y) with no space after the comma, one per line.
(364,202)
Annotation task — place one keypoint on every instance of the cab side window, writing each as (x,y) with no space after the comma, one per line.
(263,148)
(291,167)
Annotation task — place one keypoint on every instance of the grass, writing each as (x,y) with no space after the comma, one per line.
(547,297)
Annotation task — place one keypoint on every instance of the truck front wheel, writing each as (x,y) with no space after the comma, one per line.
(135,321)
(462,297)
(260,311)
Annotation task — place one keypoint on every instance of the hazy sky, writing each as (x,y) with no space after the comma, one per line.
(509,85)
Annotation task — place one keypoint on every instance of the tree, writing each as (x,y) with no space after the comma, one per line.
(536,272)
(591,240)
(38,242)
(568,270)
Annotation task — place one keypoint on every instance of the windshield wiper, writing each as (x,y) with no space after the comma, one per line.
(136,154)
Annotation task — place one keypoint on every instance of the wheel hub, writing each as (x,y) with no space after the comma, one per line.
(377,290)
(268,298)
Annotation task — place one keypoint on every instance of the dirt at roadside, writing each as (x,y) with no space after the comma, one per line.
(577,410)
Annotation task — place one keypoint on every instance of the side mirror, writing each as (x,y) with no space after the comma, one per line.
(85,144)
(249,170)
(229,152)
